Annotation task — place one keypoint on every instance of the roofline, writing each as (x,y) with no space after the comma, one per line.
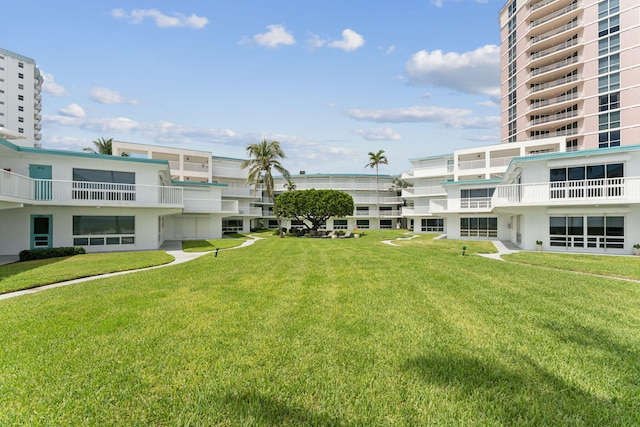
(431,157)
(339,175)
(34,150)
(17,56)
(473,181)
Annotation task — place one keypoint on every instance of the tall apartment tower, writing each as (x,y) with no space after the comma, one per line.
(20,99)
(571,69)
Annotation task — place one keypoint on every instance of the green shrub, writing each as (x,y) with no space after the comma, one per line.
(31,254)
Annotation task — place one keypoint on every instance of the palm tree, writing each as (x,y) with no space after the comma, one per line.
(102,146)
(397,186)
(265,156)
(375,160)
(290,185)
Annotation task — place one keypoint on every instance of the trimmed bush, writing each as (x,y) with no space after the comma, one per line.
(31,254)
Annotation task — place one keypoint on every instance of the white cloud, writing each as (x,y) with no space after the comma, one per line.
(51,87)
(108,96)
(72,110)
(159,132)
(449,117)
(178,20)
(476,72)
(350,41)
(315,41)
(387,50)
(276,36)
(490,104)
(378,134)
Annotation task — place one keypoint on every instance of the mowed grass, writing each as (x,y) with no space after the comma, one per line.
(30,274)
(615,266)
(352,332)
(211,245)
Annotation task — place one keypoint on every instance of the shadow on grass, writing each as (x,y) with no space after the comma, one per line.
(18,267)
(525,394)
(264,410)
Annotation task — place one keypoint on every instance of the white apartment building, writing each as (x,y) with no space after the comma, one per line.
(20,99)
(373,209)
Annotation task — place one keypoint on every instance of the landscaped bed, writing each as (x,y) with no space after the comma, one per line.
(326,332)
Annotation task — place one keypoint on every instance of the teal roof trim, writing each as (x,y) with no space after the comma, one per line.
(570,154)
(227,158)
(80,154)
(198,184)
(441,156)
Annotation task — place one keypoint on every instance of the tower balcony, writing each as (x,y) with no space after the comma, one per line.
(539,105)
(556,66)
(557,84)
(545,7)
(552,54)
(552,37)
(554,120)
(550,20)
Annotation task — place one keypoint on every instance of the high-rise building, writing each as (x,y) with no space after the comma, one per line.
(571,69)
(20,99)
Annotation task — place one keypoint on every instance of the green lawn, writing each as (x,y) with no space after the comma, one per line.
(212,245)
(319,332)
(30,274)
(616,266)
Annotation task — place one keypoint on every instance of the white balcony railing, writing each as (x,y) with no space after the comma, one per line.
(237,192)
(472,164)
(481,204)
(548,193)
(554,15)
(422,191)
(82,193)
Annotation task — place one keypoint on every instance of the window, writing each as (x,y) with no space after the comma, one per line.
(609,64)
(608,7)
(610,101)
(609,83)
(103,185)
(609,26)
(21,86)
(103,230)
(362,223)
(20,119)
(20,65)
(479,227)
(339,224)
(609,139)
(20,76)
(572,145)
(362,210)
(609,45)
(273,223)
(592,181)
(609,120)
(386,224)
(20,130)
(20,98)
(476,198)
(433,224)
(595,231)
(20,108)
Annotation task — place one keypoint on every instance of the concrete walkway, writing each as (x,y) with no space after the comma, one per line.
(172,247)
(503,248)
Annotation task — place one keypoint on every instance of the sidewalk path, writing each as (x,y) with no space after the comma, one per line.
(172,247)
(502,250)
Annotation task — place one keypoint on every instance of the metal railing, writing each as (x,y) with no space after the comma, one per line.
(616,189)
(83,193)
(554,15)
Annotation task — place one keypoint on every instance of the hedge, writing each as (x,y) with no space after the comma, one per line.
(31,254)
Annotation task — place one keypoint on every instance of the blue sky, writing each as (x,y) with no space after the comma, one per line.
(330,80)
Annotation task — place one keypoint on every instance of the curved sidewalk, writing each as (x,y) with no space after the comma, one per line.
(172,247)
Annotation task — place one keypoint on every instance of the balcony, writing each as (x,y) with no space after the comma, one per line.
(21,189)
(422,191)
(237,192)
(555,66)
(330,185)
(416,211)
(479,204)
(472,164)
(554,15)
(555,49)
(373,200)
(554,118)
(554,84)
(433,171)
(601,191)
(566,132)
(550,34)
(553,102)
(229,172)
